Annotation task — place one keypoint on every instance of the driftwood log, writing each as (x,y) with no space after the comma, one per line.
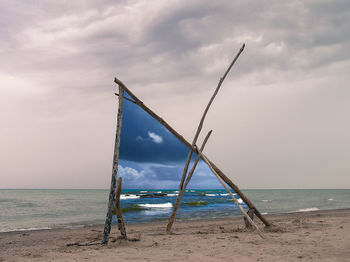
(111,201)
(232,196)
(200,126)
(121,225)
(182,190)
(251,215)
(194,149)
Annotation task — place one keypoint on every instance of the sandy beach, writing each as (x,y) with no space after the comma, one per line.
(316,236)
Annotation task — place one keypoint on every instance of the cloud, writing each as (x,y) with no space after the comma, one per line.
(155,138)
(58,61)
(141,145)
(138,175)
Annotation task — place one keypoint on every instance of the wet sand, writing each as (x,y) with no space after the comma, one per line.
(309,236)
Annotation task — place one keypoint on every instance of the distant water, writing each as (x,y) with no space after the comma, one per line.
(39,209)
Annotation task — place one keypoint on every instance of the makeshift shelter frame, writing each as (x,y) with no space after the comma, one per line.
(192,147)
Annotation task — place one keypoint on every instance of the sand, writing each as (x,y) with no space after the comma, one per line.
(309,236)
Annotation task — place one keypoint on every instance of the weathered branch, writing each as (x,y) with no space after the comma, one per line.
(232,196)
(200,126)
(181,191)
(107,227)
(126,98)
(121,225)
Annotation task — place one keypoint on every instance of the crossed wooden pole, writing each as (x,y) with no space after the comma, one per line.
(192,149)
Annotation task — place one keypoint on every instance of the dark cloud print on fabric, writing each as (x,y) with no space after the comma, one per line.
(143,139)
(151,156)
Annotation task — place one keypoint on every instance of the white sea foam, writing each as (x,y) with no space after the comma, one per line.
(211,195)
(307,209)
(143,191)
(25,229)
(129,196)
(163,205)
(240,201)
(266,200)
(227,194)
(330,199)
(193,191)
(171,195)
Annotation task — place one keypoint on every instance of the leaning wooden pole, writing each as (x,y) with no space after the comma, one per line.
(182,191)
(240,194)
(232,196)
(189,145)
(111,203)
(199,129)
(121,225)
(200,126)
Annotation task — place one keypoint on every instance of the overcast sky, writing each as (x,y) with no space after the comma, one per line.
(281,119)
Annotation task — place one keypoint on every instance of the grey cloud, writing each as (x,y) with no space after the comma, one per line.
(58,60)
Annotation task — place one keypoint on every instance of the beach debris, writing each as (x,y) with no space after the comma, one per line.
(251,215)
(83,244)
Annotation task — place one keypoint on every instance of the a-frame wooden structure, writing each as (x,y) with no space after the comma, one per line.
(224,180)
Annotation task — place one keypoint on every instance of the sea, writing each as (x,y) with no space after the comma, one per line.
(34,209)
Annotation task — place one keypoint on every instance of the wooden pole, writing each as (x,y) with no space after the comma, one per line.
(107,227)
(121,225)
(199,129)
(181,191)
(251,215)
(232,196)
(194,149)
(240,194)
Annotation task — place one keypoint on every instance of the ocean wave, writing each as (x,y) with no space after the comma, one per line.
(25,229)
(172,195)
(223,194)
(129,197)
(240,201)
(330,199)
(211,195)
(227,194)
(163,205)
(307,209)
(266,200)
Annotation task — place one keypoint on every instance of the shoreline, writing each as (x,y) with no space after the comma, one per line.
(159,221)
(300,236)
(68,227)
